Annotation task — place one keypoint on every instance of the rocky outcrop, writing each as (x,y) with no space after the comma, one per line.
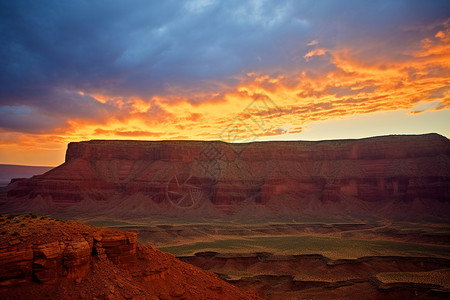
(387,176)
(24,260)
(42,257)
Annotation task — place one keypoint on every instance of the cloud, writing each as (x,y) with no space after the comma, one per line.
(162,67)
(315,52)
(52,50)
(47,110)
(126,133)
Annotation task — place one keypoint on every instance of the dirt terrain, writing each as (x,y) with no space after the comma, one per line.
(310,259)
(317,277)
(305,259)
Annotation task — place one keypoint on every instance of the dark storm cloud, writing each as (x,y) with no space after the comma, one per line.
(52,49)
(45,110)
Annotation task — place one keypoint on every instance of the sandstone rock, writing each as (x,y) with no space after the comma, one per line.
(46,261)
(62,263)
(76,258)
(391,175)
(119,248)
(48,251)
(16,264)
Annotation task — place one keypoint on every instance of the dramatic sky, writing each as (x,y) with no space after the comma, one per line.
(209,70)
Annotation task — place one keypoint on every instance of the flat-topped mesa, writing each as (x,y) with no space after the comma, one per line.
(401,175)
(399,146)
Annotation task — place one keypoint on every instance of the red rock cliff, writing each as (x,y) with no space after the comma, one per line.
(45,258)
(390,175)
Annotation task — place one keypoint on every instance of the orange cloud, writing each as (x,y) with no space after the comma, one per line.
(315,52)
(264,102)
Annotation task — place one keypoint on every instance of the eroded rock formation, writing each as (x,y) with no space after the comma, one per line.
(318,277)
(42,258)
(385,176)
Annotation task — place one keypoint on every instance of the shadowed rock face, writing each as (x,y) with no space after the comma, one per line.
(383,176)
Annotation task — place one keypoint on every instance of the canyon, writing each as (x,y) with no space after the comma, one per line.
(278,220)
(318,277)
(404,176)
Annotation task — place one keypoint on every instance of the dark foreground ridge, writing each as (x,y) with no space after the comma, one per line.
(401,176)
(46,258)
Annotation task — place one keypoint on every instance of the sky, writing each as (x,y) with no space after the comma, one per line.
(218,70)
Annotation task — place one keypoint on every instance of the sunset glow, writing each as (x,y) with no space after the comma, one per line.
(211,70)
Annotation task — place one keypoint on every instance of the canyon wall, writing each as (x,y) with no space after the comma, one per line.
(404,175)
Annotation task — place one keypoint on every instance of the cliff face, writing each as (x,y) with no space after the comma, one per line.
(44,258)
(391,175)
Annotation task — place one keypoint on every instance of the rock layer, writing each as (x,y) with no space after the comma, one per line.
(318,277)
(44,258)
(27,258)
(383,176)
